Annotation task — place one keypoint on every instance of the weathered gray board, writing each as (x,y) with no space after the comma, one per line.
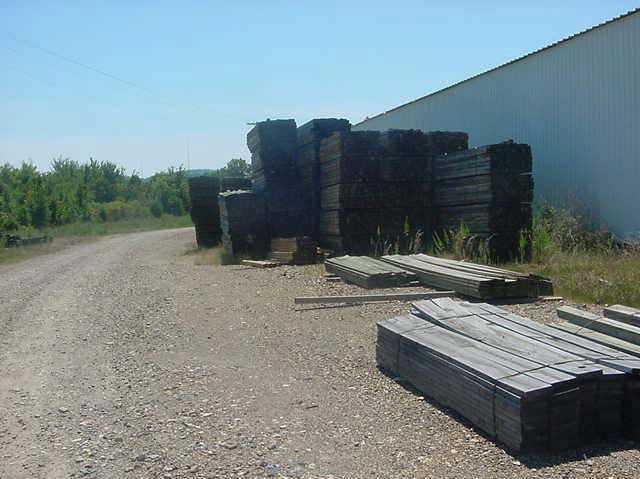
(483,282)
(611,327)
(512,399)
(598,353)
(482,326)
(598,337)
(368,272)
(623,313)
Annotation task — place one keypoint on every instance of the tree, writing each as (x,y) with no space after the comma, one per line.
(236,168)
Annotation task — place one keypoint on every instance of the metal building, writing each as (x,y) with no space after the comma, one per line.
(576,102)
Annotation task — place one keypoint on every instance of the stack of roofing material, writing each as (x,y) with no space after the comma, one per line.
(378,185)
(310,136)
(489,190)
(244,229)
(234,183)
(368,272)
(203,191)
(620,334)
(300,250)
(276,177)
(560,390)
(478,281)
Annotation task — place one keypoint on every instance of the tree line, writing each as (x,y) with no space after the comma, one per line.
(96,191)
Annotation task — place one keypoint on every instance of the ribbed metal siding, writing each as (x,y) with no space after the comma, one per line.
(577,104)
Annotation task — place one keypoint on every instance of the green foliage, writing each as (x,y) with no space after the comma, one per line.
(71,192)
(236,168)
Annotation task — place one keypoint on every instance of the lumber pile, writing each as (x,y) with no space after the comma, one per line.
(469,279)
(244,228)
(309,136)
(377,185)
(610,327)
(299,250)
(234,183)
(205,214)
(527,385)
(368,272)
(623,313)
(489,190)
(276,177)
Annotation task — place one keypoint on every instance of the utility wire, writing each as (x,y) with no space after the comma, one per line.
(103,73)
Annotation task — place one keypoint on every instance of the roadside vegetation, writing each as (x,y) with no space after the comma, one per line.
(585,264)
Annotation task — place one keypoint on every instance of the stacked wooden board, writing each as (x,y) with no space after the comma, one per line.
(368,272)
(244,228)
(527,385)
(310,135)
(377,185)
(489,190)
(622,333)
(276,177)
(469,279)
(300,250)
(234,183)
(205,214)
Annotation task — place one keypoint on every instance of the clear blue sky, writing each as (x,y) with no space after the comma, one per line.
(208,68)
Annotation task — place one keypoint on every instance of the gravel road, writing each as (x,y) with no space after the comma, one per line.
(123,358)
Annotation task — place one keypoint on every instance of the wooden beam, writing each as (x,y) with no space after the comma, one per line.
(369,298)
(260,264)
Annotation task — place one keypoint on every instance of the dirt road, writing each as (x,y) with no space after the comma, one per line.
(122,358)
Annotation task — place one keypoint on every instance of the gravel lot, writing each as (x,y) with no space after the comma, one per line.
(123,358)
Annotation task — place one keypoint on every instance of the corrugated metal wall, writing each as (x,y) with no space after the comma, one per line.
(577,104)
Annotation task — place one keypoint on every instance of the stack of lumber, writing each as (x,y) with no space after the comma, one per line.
(299,250)
(244,229)
(203,191)
(310,136)
(234,183)
(368,272)
(622,333)
(525,384)
(489,190)
(377,185)
(469,279)
(276,177)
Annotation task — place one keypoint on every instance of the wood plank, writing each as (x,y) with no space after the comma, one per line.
(369,298)
(259,264)
(618,329)
(623,313)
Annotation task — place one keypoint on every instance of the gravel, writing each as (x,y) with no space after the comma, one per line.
(122,358)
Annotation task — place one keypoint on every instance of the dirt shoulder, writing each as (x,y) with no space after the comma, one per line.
(123,358)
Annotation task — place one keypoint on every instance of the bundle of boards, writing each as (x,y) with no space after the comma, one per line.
(244,229)
(489,190)
(203,191)
(376,186)
(529,386)
(470,279)
(368,272)
(620,328)
(299,250)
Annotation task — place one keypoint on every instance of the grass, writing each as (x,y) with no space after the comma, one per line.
(600,278)
(66,235)
(117,227)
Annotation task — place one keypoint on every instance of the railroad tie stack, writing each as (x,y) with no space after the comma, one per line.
(489,190)
(310,136)
(205,214)
(234,183)
(276,177)
(474,280)
(368,272)
(297,251)
(244,229)
(525,384)
(377,186)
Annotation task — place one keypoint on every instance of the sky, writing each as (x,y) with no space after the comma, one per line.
(153,84)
